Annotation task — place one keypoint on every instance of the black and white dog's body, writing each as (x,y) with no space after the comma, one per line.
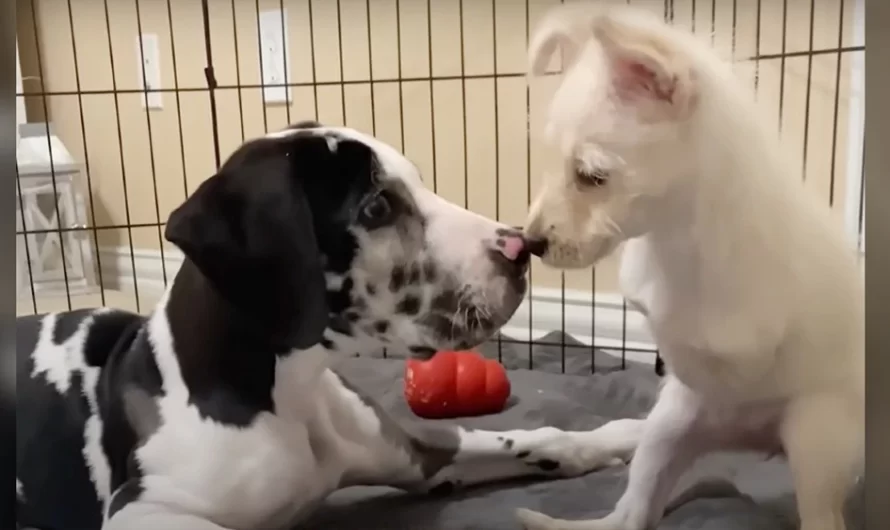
(219,410)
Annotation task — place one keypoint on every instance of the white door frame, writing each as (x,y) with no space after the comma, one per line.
(856,129)
(20,116)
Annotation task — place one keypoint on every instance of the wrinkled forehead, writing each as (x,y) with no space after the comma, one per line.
(392,163)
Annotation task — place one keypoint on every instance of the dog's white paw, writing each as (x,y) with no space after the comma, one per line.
(531,520)
(576,460)
(571,454)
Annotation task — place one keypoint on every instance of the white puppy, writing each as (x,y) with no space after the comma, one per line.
(749,287)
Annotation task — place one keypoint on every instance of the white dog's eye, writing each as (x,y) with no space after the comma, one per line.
(592,177)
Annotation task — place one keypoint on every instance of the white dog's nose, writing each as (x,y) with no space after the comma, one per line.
(536,241)
(536,247)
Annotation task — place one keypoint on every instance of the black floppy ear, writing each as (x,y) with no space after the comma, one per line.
(249,231)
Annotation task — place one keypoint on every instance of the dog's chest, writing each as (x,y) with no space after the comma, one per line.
(748,427)
(638,277)
(261,476)
(265,475)
(704,346)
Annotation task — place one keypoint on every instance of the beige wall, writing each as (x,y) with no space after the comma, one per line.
(496,134)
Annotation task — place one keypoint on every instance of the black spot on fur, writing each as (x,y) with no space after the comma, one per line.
(440,325)
(340,325)
(547,464)
(429,271)
(305,124)
(522,454)
(370,289)
(508,443)
(422,351)
(414,276)
(360,304)
(351,316)
(500,438)
(68,323)
(109,331)
(126,494)
(446,301)
(327,344)
(659,366)
(381,326)
(410,305)
(397,280)
(442,489)
(341,299)
(503,232)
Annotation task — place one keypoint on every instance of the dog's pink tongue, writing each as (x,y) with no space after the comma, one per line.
(512,247)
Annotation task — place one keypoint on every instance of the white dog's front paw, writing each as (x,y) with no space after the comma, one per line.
(575,459)
(531,520)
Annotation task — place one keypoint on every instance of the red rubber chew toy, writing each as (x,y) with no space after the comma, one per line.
(455,383)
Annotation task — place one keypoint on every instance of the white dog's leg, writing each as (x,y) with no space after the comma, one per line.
(823,460)
(671,442)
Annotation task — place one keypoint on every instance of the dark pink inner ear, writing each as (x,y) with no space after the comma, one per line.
(634,79)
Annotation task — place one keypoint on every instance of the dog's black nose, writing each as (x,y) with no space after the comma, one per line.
(536,246)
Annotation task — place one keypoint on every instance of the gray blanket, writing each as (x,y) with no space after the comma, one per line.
(727,492)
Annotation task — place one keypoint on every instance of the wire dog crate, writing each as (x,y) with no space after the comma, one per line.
(149,96)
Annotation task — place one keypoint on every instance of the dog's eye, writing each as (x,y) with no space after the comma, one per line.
(376,212)
(592,177)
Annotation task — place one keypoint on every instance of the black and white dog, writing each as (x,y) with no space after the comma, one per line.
(220,411)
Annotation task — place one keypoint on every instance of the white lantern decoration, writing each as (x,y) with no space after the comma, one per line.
(54,215)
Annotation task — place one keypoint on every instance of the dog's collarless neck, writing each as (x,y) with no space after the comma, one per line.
(225,361)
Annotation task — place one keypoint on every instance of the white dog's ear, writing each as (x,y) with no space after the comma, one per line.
(553,34)
(563,28)
(645,65)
